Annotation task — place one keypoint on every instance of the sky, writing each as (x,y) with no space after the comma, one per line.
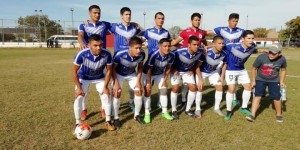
(253,13)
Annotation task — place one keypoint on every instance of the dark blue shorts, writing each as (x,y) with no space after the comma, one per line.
(273,88)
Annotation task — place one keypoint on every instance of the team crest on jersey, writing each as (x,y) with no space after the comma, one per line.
(124,56)
(183,53)
(200,36)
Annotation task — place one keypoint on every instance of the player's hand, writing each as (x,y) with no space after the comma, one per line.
(117,90)
(138,88)
(148,89)
(176,73)
(282,84)
(221,80)
(78,92)
(86,22)
(82,46)
(105,90)
(136,25)
(253,84)
(200,85)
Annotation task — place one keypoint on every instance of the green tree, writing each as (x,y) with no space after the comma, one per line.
(260,32)
(174,31)
(44,27)
(292,30)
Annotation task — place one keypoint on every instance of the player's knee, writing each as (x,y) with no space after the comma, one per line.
(193,88)
(231,88)
(175,89)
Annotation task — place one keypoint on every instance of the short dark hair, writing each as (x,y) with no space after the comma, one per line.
(234,16)
(217,37)
(135,40)
(94,7)
(246,32)
(195,15)
(159,13)
(164,40)
(124,9)
(193,38)
(95,37)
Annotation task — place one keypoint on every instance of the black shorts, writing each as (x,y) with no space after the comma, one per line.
(273,88)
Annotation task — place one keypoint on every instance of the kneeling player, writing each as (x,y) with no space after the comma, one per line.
(89,65)
(125,63)
(157,68)
(210,61)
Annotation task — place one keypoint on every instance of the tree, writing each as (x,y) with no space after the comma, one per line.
(7,37)
(291,32)
(42,25)
(260,32)
(174,31)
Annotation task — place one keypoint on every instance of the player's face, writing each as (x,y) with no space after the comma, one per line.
(96,47)
(219,44)
(248,40)
(136,50)
(165,48)
(159,20)
(193,46)
(126,16)
(196,22)
(95,14)
(233,22)
(273,56)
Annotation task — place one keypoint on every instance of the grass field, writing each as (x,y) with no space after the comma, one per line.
(37,112)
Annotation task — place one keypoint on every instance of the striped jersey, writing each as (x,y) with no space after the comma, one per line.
(158,62)
(153,35)
(122,35)
(126,64)
(237,55)
(211,60)
(101,28)
(92,67)
(184,61)
(229,35)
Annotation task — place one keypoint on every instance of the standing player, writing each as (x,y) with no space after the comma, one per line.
(210,61)
(184,36)
(157,68)
(124,31)
(85,30)
(124,68)
(153,35)
(93,26)
(187,60)
(88,68)
(237,54)
(231,34)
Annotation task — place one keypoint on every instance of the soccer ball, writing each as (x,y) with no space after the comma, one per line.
(83,131)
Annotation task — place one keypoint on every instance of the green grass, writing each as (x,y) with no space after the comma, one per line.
(37,112)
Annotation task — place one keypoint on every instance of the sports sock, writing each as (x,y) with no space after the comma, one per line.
(106,105)
(78,108)
(198,100)
(138,102)
(147,105)
(164,103)
(174,101)
(218,99)
(190,100)
(229,99)
(246,98)
(116,106)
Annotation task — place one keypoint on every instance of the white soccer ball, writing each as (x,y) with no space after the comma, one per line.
(83,131)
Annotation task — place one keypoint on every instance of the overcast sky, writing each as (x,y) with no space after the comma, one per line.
(261,13)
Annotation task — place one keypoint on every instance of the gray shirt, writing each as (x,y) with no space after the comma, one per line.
(268,70)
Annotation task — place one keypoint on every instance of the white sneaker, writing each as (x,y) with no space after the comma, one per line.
(219,112)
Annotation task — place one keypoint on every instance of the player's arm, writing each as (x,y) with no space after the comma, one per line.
(211,32)
(283,76)
(116,85)
(223,70)
(107,78)
(176,41)
(167,73)
(198,73)
(253,75)
(80,40)
(139,75)
(75,77)
(148,81)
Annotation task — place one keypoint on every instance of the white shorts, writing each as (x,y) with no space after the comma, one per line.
(213,78)
(186,78)
(158,79)
(99,84)
(241,77)
(131,79)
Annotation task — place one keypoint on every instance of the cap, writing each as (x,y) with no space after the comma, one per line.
(275,48)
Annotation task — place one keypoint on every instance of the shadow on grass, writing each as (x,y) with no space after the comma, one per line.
(97,133)
(264,104)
